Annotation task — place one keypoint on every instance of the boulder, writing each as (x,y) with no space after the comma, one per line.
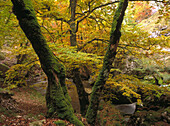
(149,118)
(126,108)
(155,111)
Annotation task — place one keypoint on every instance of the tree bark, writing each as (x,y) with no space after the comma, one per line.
(115,35)
(57,99)
(83,96)
(73,40)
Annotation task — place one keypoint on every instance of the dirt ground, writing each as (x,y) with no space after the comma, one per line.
(25,108)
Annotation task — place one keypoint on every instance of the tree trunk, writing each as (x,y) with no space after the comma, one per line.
(83,96)
(57,99)
(73,40)
(107,63)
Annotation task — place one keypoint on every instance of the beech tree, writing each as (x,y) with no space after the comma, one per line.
(57,98)
(115,35)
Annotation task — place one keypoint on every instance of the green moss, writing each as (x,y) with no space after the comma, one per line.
(108,60)
(60,123)
(116,17)
(56,97)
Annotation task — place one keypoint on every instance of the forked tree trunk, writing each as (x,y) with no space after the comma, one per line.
(57,99)
(107,63)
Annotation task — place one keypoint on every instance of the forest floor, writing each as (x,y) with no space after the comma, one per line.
(25,108)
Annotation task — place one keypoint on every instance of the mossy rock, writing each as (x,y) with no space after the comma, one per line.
(2,56)
(3,69)
(150,117)
(152,102)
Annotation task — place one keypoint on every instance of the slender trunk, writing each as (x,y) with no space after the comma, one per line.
(73,40)
(57,99)
(107,63)
(83,96)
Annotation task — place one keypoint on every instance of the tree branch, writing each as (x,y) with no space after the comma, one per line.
(90,11)
(124,46)
(61,19)
(95,39)
(48,32)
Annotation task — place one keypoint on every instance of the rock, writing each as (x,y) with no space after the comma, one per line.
(143,117)
(3,69)
(88,90)
(155,103)
(2,56)
(126,108)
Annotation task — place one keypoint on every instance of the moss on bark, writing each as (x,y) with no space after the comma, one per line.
(57,99)
(108,60)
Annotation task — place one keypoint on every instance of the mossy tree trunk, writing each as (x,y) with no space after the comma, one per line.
(115,35)
(57,99)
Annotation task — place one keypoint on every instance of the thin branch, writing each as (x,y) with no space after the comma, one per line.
(48,32)
(61,19)
(60,35)
(100,6)
(95,39)
(90,11)
(124,46)
(56,18)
